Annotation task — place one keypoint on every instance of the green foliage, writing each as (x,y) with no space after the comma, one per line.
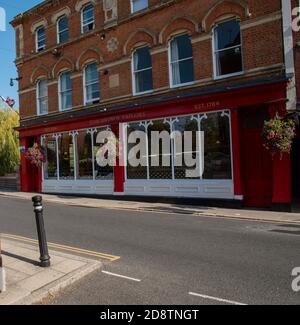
(9,141)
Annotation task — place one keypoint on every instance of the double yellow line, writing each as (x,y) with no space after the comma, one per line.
(108,257)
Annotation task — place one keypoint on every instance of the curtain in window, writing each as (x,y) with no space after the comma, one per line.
(175,63)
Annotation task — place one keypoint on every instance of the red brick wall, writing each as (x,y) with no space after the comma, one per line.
(262,45)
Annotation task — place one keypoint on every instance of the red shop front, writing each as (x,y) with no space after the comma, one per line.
(239,169)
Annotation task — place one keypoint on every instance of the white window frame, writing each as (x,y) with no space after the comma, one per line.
(38,98)
(172,85)
(82,23)
(133,73)
(86,101)
(135,11)
(37,48)
(58,32)
(60,92)
(215,51)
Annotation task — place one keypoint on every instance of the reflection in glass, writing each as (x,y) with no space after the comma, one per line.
(50,166)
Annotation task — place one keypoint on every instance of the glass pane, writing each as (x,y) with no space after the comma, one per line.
(63,36)
(92,92)
(227,35)
(138,5)
(186,71)
(41,39)
(66,156)
(84,155)
(186,147)
(101,173)
(181,48)
(43,88)
(140,171)
(91,73)
(163,170)
(66,83)
(63,23)
(143,81)
(142,59)
(43,103)
(217,147)
(50,166)
(229,61)
(88,18)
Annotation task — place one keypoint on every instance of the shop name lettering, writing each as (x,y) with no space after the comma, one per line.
(209,105)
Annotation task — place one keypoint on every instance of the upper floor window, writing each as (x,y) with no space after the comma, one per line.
(91,84)
(65,91)
(142,70)
(227,49)
(62,29)
(42,97)
(181,60)
(137,5)
(40,39)
(88,18)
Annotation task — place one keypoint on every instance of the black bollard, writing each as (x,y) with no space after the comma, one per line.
(38,210)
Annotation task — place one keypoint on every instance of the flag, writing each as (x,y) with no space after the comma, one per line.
(9,101)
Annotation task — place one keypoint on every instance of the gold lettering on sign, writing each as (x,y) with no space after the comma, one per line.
(207,105)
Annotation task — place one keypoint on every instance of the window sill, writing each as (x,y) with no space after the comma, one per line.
(143,93)
(182,85)
(226,76)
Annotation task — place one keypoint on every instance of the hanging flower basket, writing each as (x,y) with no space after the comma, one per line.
(278,135)
(36,155)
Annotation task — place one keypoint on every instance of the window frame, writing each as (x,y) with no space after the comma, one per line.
(170,63)
(82,22)
(38,98)
(60,91)
(37,48)
(133,73)
(58,32)
(90,102)
(132,7)
(214,51)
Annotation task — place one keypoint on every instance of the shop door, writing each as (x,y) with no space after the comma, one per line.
(256,163)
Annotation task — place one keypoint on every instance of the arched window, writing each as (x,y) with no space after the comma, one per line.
(91,84)
(40,39)
(142,70)
(62,29)
(181,60)
(88,18)
(42,97)
(227,46)
(65,91)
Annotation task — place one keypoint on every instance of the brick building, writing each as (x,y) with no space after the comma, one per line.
(219,66)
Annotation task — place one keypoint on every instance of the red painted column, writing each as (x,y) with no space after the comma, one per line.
(38,180)
(24,175)
(238,191)
(281,166)
(119,169)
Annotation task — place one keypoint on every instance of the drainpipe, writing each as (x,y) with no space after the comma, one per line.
(288,47)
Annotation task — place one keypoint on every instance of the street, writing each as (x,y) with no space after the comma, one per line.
(168,258)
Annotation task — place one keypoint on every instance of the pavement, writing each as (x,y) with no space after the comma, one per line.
(157,207)
(28,283)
